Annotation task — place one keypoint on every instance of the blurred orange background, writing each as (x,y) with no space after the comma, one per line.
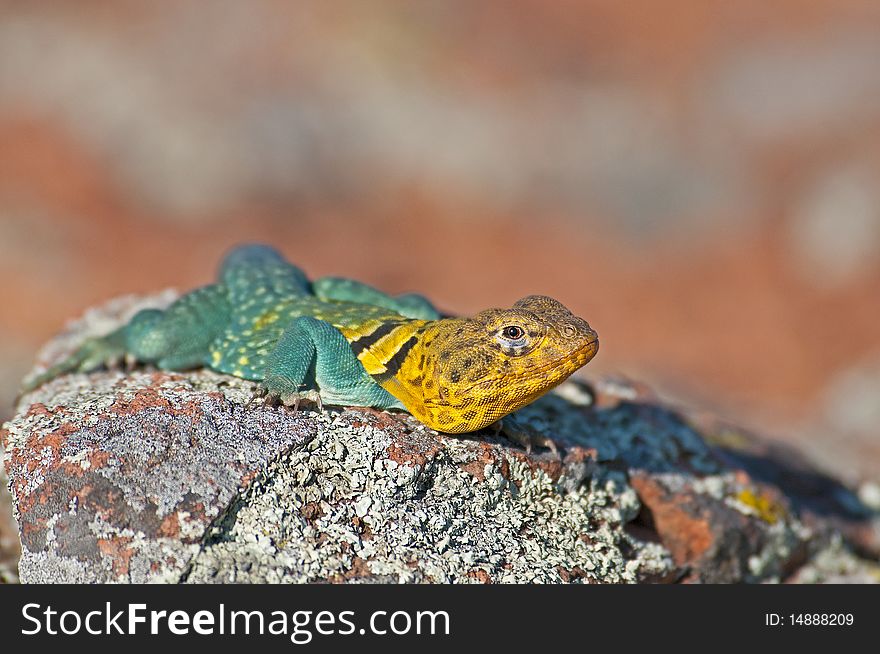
(700,179)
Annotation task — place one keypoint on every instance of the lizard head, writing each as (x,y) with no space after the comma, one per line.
(470,372)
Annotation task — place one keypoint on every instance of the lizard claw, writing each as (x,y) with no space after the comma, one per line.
(269,399)
(112,362)
(130,362)
(255,398)
(523,435)
(293,399)
(279,390)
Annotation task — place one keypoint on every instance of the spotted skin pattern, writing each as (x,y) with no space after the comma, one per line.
(338,341)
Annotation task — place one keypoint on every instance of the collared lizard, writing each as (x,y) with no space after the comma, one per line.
(341,342)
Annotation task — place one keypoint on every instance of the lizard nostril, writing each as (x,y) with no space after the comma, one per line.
(569,331)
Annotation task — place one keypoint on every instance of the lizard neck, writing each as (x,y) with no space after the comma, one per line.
(397,354)
(383,346)
(411,375)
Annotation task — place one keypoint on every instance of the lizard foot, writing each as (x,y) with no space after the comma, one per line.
(257,397)
(287,399)
(523,435)
(293,399)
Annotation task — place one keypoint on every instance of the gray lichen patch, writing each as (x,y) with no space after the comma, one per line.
(124,475)
(340,509)
(835,563)
(10,549)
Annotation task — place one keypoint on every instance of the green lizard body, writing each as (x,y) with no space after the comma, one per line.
(341,342)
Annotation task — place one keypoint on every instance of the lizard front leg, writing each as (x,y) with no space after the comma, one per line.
(312,360)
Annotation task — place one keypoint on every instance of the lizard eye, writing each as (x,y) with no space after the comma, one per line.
(513,339)
(513,332)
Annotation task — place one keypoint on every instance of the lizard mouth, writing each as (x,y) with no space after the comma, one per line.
(579,357)
(569,363)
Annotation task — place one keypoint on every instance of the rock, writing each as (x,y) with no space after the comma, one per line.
(836,564)
(178,477)
(10,551)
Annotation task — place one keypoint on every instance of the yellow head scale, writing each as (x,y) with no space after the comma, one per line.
(463,374)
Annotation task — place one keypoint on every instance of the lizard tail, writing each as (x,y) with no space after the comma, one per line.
(96,352)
